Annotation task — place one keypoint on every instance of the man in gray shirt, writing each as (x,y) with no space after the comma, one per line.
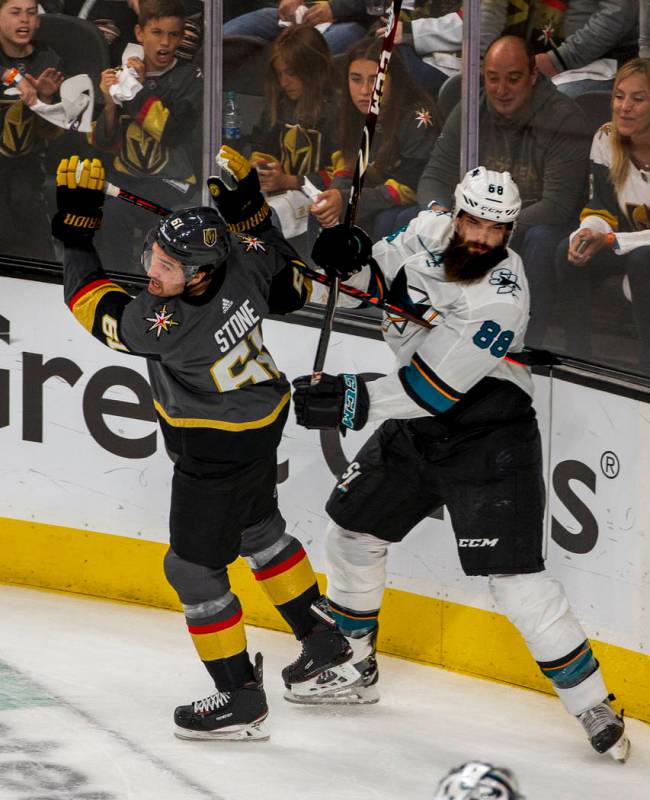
(538,135)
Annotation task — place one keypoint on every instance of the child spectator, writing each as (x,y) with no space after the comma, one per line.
(117,22)
(152,135)
(406,131)
(298,130)
(614,232)
(30,72)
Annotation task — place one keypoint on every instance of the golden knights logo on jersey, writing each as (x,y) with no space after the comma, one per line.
(142,151)
(540,21)
(17,127)
(301,150)
(162,320)
(639,216)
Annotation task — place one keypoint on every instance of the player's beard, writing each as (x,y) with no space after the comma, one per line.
(463,266)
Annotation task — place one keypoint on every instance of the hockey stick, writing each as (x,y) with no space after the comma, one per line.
(363,159)
(363,297)
(527,357)
(128,197)
(121,194)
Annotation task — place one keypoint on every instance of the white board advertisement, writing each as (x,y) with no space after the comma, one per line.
(81,449)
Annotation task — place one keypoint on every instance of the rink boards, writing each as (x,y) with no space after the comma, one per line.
(86,496)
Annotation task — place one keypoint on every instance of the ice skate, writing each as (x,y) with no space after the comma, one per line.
(606,730)
(235,715)
(332,668)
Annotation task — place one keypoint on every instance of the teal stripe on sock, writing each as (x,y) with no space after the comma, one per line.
(574,673)
(351,626)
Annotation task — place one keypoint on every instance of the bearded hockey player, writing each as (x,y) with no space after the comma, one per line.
(459,429)
(221,403)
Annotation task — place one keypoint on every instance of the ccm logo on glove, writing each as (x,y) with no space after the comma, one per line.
(336,401)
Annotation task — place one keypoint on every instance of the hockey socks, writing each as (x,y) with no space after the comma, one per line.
(220,641)
(571,669)
(289,581)
(354,624)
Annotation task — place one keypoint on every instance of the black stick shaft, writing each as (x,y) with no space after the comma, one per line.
(363,158)
(364,297)
(541,357)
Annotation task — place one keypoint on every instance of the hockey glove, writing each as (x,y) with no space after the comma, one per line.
(342,251)
(336,401)
(79,200)
(237,193)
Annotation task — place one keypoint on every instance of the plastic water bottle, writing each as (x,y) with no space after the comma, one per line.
(231,119)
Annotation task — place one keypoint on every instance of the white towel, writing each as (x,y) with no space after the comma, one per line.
(127,85)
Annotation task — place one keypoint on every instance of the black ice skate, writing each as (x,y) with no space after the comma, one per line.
(235,715)
(606,730)
(332,669)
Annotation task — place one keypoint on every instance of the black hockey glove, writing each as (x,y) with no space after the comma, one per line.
(336,401)
(79,200)
(237,193)
(341,251)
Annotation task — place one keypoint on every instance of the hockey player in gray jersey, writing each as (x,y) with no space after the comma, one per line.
(221,402)
(459,429)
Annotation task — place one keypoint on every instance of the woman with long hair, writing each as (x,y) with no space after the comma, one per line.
(297,132)
(614,232)
(406,131)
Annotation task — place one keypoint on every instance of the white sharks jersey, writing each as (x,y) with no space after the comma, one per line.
(477,329)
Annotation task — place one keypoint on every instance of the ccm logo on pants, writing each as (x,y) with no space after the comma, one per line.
(477,542)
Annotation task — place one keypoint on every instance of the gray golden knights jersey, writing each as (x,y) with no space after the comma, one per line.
(477,329)
(207,362)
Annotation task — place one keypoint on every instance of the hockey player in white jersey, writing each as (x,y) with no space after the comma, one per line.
(458,429)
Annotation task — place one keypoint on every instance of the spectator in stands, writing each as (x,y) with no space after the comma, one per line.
(117,23)
(578,42)
(30,71)
(644,28)
(430,38)
(406,131)
(152,135)
(298,130)
(531,130)
(614,232)
(344,27)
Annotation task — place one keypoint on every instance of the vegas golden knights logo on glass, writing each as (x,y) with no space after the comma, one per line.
(209,237)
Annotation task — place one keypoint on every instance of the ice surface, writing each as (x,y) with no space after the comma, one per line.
(87,690)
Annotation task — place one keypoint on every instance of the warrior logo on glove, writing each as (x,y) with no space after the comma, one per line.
(79,200)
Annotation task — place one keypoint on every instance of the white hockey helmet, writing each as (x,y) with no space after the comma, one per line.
(488,194)
(477,780)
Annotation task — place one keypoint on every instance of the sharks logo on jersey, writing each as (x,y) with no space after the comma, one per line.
(505,280)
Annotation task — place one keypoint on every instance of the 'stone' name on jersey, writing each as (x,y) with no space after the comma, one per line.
(243,320)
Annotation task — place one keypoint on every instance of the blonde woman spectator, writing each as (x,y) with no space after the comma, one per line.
(614,232)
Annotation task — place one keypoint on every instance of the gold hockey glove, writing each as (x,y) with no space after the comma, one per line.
(79,200)
(237,193)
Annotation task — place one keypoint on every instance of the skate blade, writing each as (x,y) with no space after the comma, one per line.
(621,750)
(347,696)
(241,733)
